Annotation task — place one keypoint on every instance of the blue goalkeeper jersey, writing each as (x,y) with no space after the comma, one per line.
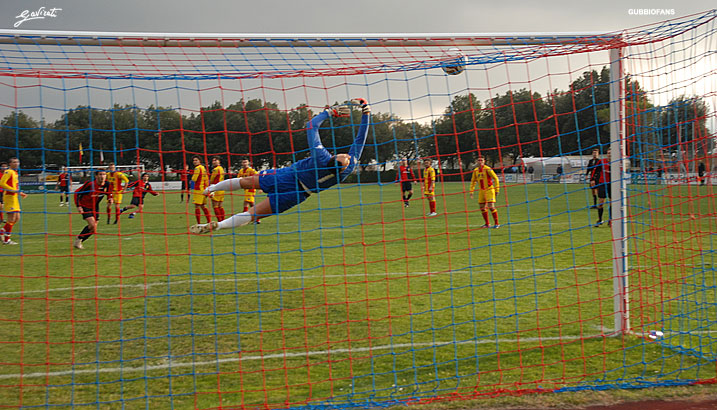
(313,172)
(289,186)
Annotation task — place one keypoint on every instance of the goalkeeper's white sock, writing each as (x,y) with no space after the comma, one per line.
(236,220)
(227,185)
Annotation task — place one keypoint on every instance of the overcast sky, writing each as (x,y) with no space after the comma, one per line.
(343,16)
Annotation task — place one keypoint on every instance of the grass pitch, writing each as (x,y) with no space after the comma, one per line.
(349,298)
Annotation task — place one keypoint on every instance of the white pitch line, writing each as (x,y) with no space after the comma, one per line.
(390,226)
(262,278)
(172,365)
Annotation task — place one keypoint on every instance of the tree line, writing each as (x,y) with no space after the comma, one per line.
(514,124)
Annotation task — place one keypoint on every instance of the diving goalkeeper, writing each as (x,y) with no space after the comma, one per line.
(289,186)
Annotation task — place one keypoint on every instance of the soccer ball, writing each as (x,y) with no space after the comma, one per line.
(454,62)
(655,334)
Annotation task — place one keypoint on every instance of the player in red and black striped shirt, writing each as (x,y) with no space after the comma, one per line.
(64,181)
(140,189)
(87,200)
(184,176)
(601,177)
(405,177)
(589,174)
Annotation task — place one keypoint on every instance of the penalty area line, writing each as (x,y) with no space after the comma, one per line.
(263,278)
(176,365)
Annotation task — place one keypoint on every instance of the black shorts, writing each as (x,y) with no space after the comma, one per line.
(65,189)
(604,190)
(406,186)
(136,201)
(1,200)
(185,186)
(90,213)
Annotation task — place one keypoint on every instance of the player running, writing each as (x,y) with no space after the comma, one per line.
(429,186)
(217,197)
(201,182)
(87,200)
(289,186)
(405,177)
(64,181)
(140,188)
(10,184)
(489,186)
(117,182)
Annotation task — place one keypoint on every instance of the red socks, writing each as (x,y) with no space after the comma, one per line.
(219,212)
(7,229)
(485,217)
(198,214)
(207,214)
(432,205)
(495,216)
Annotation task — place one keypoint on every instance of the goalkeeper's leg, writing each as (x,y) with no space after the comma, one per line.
(234,184)
(263,209)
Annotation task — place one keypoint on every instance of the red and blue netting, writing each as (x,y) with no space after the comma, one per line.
(359,296)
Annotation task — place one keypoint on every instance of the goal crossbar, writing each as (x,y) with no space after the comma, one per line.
(42,37)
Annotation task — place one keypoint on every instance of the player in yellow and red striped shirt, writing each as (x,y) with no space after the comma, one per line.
(247,171)
(201,182)
(10,184)
(117,181)
(3,167)
(429,186)
(217,176)
(488,185)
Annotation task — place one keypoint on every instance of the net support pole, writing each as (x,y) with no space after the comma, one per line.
(618,186)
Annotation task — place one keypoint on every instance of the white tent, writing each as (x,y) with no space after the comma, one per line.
(549,165)
(545,161)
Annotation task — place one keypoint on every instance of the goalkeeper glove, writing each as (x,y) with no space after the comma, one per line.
(339,111)
(365,108)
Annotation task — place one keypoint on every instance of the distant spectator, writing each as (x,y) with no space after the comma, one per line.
(701,172)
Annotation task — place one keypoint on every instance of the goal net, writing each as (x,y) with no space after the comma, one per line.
(392,287)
